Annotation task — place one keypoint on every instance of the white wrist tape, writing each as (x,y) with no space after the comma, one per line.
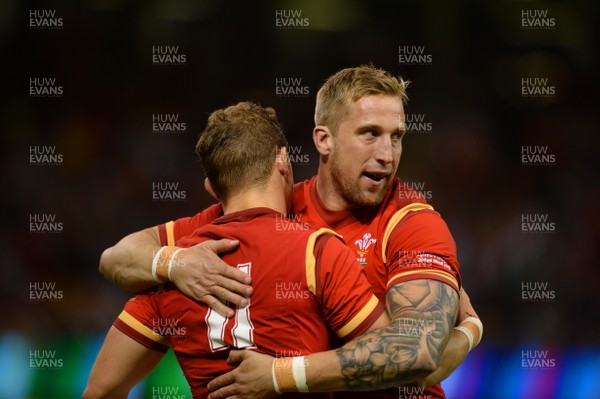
(171,263)
(289,374)
(467,332)
(299,370)
(479,325)
(275,385)
(155,263)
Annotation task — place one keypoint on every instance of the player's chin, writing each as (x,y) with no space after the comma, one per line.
(371,198)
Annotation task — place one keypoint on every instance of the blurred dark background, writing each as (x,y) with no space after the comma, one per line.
(468,158)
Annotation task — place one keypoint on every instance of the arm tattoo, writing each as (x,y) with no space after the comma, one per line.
(423,314)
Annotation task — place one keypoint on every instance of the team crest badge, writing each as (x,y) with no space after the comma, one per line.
(363,247)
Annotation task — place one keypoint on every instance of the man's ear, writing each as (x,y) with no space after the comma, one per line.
(283,165)
(323,139)
(208,187)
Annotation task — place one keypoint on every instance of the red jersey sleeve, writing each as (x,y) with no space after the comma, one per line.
(172,231)
(345,296)
(421,246)
(138,320)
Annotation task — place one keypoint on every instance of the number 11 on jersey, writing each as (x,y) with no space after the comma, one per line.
(242,332)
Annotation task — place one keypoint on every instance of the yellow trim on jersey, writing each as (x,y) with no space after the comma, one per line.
(359,318)
(311,278)
(169,229)
(142,329)
(438,273)
(395,219)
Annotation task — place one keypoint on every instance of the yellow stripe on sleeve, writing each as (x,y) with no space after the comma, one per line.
(439,273)
(169,228)
(359,318)
(142,329)
(311,263)
(395,219)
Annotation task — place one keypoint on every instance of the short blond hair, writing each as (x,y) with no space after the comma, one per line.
(351,84)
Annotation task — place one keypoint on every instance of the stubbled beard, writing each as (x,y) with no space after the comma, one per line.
(349,191)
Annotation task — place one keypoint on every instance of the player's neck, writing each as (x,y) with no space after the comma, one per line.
(263,197)
(327,194)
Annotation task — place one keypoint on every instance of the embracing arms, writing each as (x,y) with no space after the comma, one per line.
(422,315)
(205,277)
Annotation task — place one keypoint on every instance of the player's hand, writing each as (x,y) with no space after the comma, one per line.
(252,379)
(465,308)
(201,275)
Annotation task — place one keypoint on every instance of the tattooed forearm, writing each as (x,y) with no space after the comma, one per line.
(422,313)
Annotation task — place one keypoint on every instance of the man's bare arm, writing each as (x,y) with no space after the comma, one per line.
(423,313)
(128,264)
(458,347)
(454,354)
(121,363)
(201,274)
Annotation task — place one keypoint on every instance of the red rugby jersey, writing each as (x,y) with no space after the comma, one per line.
(306,284)
(401,240)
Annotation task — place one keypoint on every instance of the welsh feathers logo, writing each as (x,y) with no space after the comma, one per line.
(363,247)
